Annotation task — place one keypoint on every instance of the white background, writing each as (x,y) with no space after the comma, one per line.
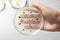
(8,31)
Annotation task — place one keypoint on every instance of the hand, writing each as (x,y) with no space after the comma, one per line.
(51,17)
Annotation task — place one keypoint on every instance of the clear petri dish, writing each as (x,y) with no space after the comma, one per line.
(28,22)
(17,3)
(2,5)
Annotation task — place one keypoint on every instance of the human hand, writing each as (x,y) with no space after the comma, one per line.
(51,17)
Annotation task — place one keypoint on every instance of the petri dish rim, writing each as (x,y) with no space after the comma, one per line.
(17,28)
(19,7)
(3,7)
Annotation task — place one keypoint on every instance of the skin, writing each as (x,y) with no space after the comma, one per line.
(51,17)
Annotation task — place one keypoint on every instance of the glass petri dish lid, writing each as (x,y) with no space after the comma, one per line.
(28,22)
(2,5)
(17,3)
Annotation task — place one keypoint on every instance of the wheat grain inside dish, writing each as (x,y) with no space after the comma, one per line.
(28,22)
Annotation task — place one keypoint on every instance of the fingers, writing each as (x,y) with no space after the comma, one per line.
(31,26)
(30,21)
(33,12)
(31,17)
(35,15)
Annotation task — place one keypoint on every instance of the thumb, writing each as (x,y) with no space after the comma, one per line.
(39,6)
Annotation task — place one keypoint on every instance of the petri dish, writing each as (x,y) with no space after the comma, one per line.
(2,5)
(17,3)
(28,22)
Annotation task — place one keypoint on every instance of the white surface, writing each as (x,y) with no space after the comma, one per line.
(8,31)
